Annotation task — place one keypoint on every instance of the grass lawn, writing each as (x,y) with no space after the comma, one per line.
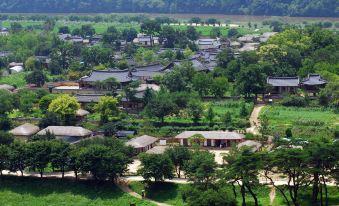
(16,191)
(166,192)
(17,79)
(170,193)
(303,121)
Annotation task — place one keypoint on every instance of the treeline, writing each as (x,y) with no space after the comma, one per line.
(102,158)
(324,8)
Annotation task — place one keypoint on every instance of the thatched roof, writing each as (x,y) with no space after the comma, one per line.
(82,113)
(6,87)
(250,143)
(66,131)
(143,141)
(25,130)
(157,150)
(216,135)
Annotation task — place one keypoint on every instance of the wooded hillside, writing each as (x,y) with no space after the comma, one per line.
(314,8)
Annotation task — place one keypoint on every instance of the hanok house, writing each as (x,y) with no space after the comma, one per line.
(142,143)
(313,83)
(280,85)
(67,133)
(220,139)
(146,40)
(81,114)
(25,131)
(122,76)
(204,44)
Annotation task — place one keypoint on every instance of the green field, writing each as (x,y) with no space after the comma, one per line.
(305,122)
(17,191)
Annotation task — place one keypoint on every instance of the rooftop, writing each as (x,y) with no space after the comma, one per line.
(212,135)
(283,81)
(25,130)
(66,131)
(314,79)
(142,141)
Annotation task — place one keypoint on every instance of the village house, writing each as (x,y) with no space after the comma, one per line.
(204,44)
(144,74)
(146,40)
(313,83)
(249,38)
(220,139)
(265,36)
(25,131)
(280,85)
(4,31)
(137,104)
(142,143)
(84,99)
(67,133)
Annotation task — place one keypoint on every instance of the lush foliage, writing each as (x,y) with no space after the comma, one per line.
(256,7)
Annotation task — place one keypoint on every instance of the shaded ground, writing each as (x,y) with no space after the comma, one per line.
(32,191)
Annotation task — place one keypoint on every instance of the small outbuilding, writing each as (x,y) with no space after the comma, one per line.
(254,145)
(219,139)
(313,83)
(25,131)
(68,133)
(81,113)
(142,143)
(7,87)
(157,150)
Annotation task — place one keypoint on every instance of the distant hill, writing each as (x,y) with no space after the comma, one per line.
(310,8)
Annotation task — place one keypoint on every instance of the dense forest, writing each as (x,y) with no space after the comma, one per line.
(312,8)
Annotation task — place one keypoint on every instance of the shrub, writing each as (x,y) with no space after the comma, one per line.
(294,101)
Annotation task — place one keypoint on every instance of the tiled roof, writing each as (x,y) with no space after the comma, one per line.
(283,81)
(314,79)
(212,135)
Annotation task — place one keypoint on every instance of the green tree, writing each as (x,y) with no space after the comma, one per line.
(178,155)
(38,154)
(219,86)
(192,33)
(65,106)
(45,101)
(7,102)
(224,57)
(4,157)
(201,169)
(36,77)
(107,107)
(6,138)
(18,157)
(210,115)
(202,83)
(161,106)
(156,166)
(150,27)
(195,109)
(59,156)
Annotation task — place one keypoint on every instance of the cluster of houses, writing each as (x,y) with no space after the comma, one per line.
(144,143)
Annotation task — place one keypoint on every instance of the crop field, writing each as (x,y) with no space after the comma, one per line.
(305,122)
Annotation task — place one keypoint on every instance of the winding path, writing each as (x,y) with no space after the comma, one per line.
(254,119)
